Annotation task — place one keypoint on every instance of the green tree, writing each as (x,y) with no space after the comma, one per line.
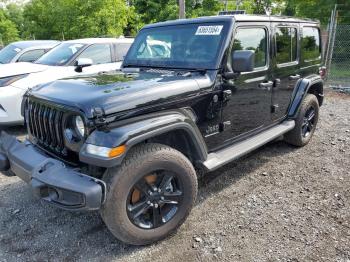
(161,10)
(69,19)
(318,9)
(8,30)
(14,13)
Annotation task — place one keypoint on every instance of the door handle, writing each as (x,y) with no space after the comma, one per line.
(266,85)
(294,77)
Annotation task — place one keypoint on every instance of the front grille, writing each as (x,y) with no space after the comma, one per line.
(45,125)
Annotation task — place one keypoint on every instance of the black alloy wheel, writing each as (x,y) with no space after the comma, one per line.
(154,200)
(309,122)
(150,195)
(305,122)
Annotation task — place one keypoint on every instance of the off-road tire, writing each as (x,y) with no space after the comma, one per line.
(295,136)
(139,161)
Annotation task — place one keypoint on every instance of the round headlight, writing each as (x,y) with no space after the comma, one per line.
(80,126)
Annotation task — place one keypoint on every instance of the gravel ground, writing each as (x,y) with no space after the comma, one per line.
(278,204)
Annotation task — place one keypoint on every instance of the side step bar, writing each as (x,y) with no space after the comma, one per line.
(224,156)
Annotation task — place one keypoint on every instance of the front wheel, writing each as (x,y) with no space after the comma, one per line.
(305,123)
(150,195)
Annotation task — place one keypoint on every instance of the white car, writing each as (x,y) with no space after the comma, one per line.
(25,51)
(70,58)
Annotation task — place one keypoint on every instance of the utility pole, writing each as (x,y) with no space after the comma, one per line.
(182,11)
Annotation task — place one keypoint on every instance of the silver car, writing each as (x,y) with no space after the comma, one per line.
(25,51)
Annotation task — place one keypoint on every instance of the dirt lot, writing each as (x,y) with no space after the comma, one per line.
(278,204)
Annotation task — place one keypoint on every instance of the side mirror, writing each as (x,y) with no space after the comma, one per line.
(81,63)
(243,61)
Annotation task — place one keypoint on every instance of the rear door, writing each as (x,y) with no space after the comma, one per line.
(249,107)
(286,72)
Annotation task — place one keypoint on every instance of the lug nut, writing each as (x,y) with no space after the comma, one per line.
(159,190)
(156,205)
(151,204)
(148,202)
(162,198)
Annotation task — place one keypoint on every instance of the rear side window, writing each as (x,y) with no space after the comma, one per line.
(286,45)
(310,44)
(99,53)
(252,39)
(31,56)
(122,49)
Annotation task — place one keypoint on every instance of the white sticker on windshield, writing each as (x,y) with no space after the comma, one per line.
(17,50)
(209,30)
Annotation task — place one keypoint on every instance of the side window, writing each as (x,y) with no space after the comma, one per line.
(252,39)
(99,53)
(122,49)
(286,45)
(310,44)
(31,56)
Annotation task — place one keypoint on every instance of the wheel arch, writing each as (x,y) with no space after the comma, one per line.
(175,129)
(310,85)
(316,89)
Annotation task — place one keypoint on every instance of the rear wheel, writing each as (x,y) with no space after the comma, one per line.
(150,195)
(305,123)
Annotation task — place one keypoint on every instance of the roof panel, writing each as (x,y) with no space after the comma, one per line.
(240,18)
(32,43)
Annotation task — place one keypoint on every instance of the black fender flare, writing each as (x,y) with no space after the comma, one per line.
(300,91)
(139,129)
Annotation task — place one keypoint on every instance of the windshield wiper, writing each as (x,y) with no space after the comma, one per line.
(181,71)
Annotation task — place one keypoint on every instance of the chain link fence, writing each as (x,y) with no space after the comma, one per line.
(339,66)
(337,52)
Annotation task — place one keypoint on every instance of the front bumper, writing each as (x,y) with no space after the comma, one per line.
(49,178)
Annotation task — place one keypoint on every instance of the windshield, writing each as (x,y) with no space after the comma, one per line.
(189,46)
(8,53)
(60,55)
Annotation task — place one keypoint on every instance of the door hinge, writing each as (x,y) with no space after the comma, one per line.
(227,95)
(274,108)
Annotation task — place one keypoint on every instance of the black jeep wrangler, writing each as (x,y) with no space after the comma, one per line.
(192,96)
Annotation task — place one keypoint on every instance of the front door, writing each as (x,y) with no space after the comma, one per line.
(249,107)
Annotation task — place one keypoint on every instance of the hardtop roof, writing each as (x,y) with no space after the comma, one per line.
(234,18)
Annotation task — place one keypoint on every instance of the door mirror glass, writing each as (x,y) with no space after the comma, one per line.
(243,61)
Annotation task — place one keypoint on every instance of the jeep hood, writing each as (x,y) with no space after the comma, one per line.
(118,92)
(20,69)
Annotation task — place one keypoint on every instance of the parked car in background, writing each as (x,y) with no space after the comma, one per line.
(25,51)
(70,58)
